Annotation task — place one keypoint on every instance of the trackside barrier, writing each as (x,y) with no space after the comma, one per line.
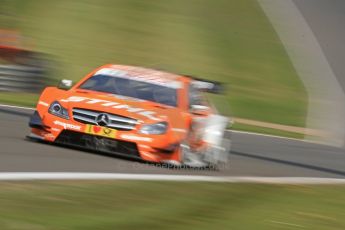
(20,78)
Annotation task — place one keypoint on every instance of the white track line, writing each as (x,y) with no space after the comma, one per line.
(268,135)
(24,176)
(16,107)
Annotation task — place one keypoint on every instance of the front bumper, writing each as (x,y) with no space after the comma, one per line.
(126,143)
(36,121)
(98,143)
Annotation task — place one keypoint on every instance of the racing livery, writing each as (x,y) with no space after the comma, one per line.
(135,112)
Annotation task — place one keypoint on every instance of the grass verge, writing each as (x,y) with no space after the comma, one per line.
(269,131)
(21,99)
(169,205)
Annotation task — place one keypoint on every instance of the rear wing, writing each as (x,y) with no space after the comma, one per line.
(207,85)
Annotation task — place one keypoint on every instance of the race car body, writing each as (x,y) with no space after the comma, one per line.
(132,111)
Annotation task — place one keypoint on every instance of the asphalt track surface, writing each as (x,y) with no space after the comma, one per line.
(251,155)
(326,18)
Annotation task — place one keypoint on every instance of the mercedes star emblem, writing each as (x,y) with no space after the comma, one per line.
(102,119)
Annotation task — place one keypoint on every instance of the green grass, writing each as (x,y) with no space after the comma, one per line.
(227,40)
(169,205)
(23,99)
(263,130)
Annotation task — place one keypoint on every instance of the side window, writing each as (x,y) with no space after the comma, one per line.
(195,97)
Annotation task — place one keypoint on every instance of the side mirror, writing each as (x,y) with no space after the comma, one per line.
(200,109)
(65,84)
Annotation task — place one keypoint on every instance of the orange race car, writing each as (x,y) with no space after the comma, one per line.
(136,112)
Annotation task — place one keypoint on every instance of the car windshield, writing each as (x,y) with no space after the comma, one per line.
(132,88)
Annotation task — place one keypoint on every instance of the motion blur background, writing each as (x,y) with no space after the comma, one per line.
(232,41)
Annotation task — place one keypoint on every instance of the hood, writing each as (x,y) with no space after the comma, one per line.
(144,111)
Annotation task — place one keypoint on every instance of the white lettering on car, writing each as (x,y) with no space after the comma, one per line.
(94,101)
(115,105)
(148,114)
(49,135)
(43,103)
(134,110)
(121,107)
(136,138)
(179,130)
(110,104)
(73,99)
(67,126)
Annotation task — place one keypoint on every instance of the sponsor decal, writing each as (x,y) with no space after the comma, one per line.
(43,103)
(67,125)
(115,105)
(179,130)
(49,136)
(149,76)
(100,131)
(136,138)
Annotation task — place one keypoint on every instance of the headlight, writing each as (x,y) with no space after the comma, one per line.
(158,128)
(56,109)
